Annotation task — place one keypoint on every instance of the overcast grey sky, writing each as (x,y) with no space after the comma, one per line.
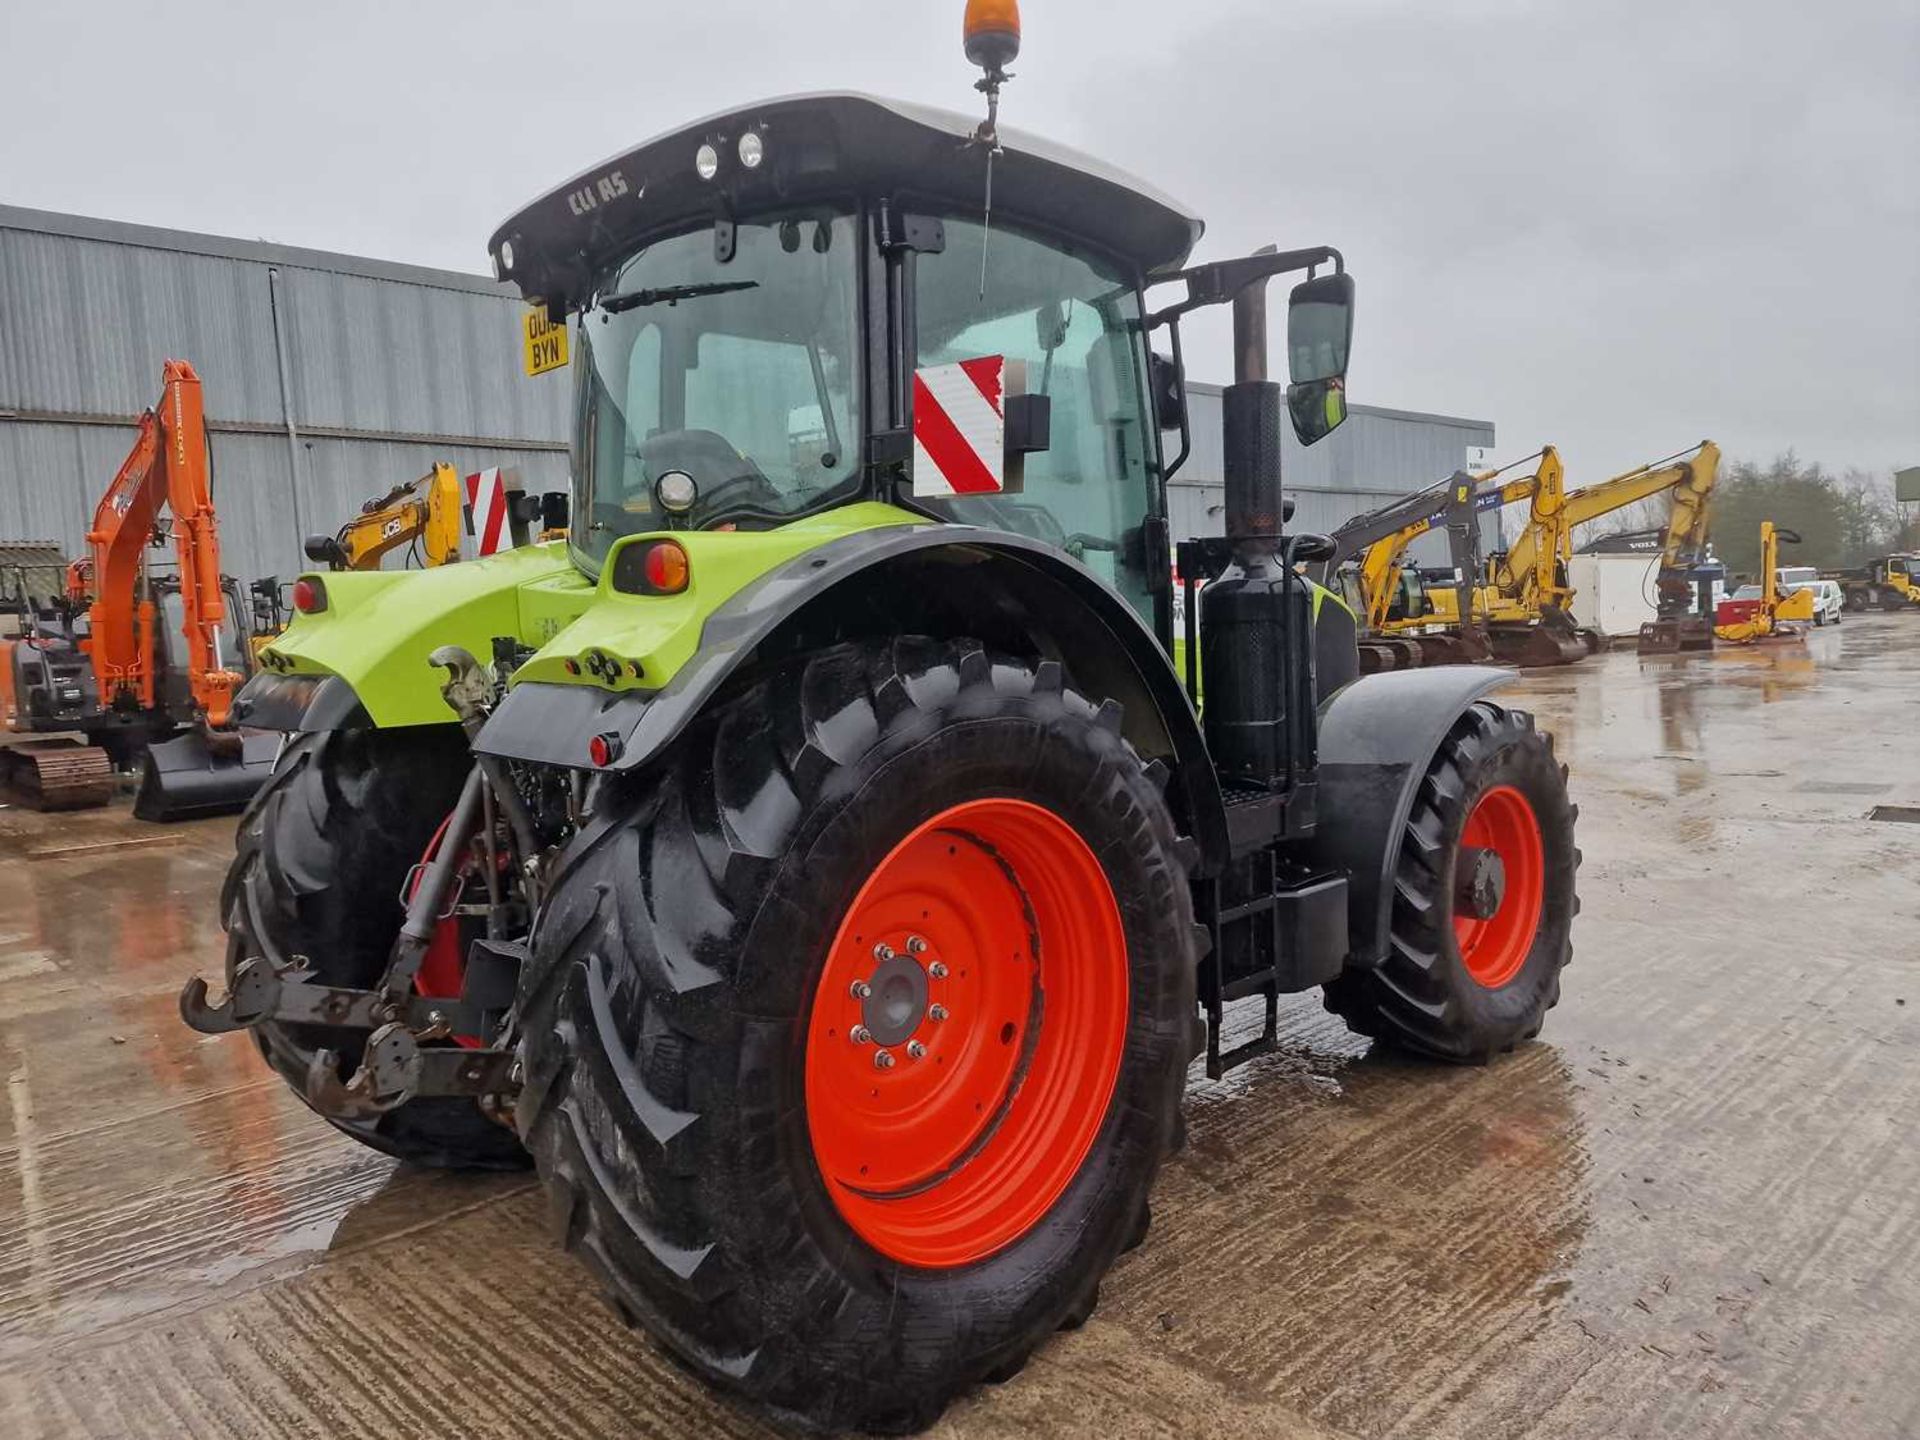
(1619,227)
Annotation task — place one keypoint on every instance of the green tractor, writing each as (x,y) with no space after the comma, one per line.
(815,865)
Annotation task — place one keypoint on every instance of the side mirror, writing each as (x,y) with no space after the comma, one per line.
(1317,407)
(1319,337)
(555,508)
(1169,391)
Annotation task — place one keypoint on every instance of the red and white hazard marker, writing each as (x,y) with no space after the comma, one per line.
(487,511)
(960,428)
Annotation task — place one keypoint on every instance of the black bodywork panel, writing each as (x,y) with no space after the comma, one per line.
(298,703)
(1377,737)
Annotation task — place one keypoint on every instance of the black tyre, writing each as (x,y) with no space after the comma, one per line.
(1484,898)
(322,854)
(697,1101)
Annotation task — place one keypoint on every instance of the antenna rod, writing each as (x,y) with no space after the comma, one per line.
(989,135)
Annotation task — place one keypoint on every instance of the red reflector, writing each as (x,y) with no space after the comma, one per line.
(665,568)
(603,750)
(308,596)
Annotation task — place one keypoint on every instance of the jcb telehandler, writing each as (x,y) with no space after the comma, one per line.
(811,867)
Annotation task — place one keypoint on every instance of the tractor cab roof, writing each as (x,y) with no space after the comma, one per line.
(815,147)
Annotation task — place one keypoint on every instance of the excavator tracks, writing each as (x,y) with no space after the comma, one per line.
(56,775)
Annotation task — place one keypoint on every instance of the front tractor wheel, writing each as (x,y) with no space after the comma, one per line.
(861,1029)
(1483,901)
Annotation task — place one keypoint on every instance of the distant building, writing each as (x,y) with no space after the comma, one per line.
(1377,456)
(328,378)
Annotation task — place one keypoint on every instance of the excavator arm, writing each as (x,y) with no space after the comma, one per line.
(167,466)
(426,510)
(1688,475)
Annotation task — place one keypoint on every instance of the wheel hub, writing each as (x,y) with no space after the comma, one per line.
(1480,882)
(896,1000)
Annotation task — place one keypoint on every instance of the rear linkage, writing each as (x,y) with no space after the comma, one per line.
(398,1064)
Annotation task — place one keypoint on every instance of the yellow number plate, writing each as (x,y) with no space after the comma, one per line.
(544,344)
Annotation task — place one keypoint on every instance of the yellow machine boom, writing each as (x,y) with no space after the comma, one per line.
(1772,608)
(426,510)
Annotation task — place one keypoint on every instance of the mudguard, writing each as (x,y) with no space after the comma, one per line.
(1377,737)
(1103,642)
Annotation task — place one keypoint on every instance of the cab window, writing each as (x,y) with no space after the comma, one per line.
(1075,320)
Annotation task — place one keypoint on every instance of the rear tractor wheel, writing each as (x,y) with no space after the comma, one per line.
(861,1033)
(1483,902)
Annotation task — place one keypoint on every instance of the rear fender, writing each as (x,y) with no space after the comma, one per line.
(1007,590)
(1377,738)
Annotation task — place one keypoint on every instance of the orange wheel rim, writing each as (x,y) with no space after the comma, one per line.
(1494,948)
(966,1034)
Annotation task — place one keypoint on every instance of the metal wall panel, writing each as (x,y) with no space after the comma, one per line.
(1377,449)
(395,367)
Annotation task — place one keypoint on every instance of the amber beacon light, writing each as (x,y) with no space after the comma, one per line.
(992,33)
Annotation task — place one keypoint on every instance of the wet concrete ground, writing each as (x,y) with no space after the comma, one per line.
(1692,1209)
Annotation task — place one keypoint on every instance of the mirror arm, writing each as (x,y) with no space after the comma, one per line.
(1168,471)
(1218,282)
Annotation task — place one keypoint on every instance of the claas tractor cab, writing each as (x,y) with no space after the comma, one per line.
(815,865)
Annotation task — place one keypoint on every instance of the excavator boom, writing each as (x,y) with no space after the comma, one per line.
(166,467)
(425,511)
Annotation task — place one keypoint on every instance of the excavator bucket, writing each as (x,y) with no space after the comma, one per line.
(1530,646)
(1674,634)
(193,775)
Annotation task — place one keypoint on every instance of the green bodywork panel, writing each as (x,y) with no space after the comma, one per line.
(380,626)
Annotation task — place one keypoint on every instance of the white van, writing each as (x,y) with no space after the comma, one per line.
(1827,596)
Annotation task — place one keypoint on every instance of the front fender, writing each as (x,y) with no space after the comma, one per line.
(1377,738)
(993,575)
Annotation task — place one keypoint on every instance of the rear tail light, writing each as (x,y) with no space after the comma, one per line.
(309,596)
(664,569)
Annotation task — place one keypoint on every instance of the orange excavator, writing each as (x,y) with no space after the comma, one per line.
(175,711)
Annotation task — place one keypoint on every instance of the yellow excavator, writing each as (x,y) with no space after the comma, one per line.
(426,510)
(1741,622)
(1526,598)
(1518,599)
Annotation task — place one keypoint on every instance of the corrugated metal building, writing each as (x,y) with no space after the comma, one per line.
(1376,457)
(328,378)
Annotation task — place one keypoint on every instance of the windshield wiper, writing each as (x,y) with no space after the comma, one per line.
(670,294)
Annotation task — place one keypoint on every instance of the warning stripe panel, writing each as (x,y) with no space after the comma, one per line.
(959,432)
(950,454)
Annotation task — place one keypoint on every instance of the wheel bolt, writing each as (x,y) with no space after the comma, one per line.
(860,1035)
(937,970)
(883,951)
(859,989)
(916,1051)
(916,946)
(936,1012)
(883,1060)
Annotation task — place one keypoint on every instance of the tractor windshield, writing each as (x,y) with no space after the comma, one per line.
(1075,319)
(740,374)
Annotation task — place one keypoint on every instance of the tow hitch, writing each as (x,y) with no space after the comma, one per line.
(410,1051)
